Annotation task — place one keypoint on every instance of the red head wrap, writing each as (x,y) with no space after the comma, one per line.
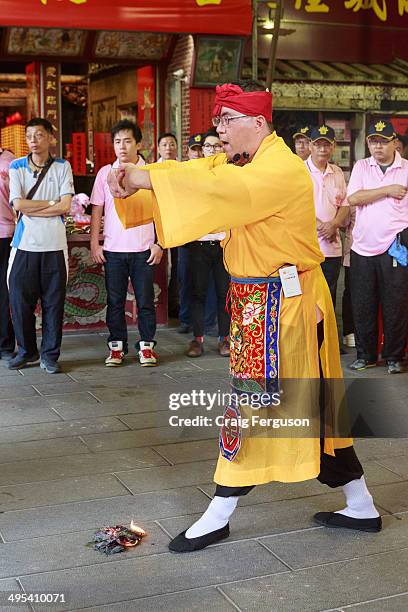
(251,103)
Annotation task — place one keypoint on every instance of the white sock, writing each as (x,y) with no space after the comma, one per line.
(215,517)
(360,503)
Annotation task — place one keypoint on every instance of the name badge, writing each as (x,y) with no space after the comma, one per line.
(290,281)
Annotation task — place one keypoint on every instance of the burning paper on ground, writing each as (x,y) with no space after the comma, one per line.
(111,540)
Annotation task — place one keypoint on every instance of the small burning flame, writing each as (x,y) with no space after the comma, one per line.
(136,529)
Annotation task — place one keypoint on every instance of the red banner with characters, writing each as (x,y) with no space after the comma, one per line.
(195,16)
(392,13)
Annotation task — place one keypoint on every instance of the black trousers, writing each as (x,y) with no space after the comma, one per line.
(334,471)
(331,269)
(347,309)
(204,258)
(7,339)
(33,277)
(119,267)
(374,281)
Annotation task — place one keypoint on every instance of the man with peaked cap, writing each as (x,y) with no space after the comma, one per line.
(378,188)
(332,208)
(261,195)
(302,141)
(195,146)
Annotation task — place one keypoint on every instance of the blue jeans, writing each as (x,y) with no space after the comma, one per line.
(119,267)
(185,292)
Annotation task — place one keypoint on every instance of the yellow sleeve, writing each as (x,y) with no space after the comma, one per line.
(193,199)
(138,209)
(194,202)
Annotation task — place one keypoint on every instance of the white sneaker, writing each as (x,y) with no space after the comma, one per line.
(116,355)
(349,340)
(147,356)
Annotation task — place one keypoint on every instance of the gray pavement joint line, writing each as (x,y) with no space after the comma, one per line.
(72,377)
(205,493)
(118,417)
(37,391)
(362,603)
(56,412)
(95,397)
(122,483)
(158,523)
(92,452)
(25,592)
(204,586)
(168,376)
(389,469)
(374,554)
(228,598)
(154,449)
(292,569)
(195,365)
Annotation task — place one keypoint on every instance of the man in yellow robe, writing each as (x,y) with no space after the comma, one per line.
(260,193)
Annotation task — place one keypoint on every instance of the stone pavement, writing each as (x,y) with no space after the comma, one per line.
(93,446)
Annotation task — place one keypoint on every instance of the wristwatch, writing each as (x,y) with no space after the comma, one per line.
(52,202)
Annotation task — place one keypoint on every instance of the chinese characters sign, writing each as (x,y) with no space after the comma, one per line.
(357,12)
(50,99)
(195,16)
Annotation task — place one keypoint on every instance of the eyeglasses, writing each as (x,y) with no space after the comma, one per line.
(212,147)
(225,119)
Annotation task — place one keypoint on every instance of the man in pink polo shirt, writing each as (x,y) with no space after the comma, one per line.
(330,200)
(7,224)
(378,188)
(126,253)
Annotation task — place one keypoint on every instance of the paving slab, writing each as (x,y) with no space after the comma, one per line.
(65,518)
(11,393)
(77,465)
(59,552)
(168,477)
(52,388)
(377,448)
(40,449)
(193,600)
(395,603)
(97,408)
(160,574)
(31,495)
(59,429)
(7,588)
(26,411)
(319,546)
(398,465)
(392,497)
(185,452)
(323,588)
(154,436)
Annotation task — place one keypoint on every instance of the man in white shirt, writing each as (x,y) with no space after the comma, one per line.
(38,260)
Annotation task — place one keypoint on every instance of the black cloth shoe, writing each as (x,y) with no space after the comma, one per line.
(19,361)
(333,519)
(181,544)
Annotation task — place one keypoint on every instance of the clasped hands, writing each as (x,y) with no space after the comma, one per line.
(127,179)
